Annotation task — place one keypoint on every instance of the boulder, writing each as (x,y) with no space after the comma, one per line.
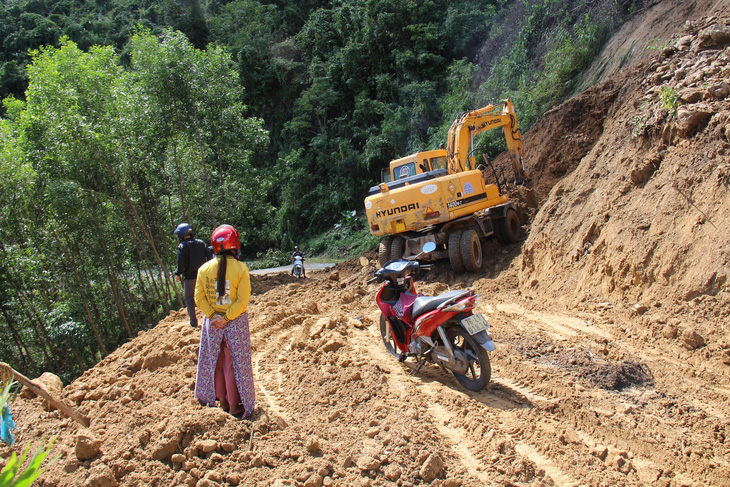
(719,90)
(689,120)
(714,36)
(690,95)
(692,340)
(367,462)
(432,467)
(166,445)
(101,476)
(87,445)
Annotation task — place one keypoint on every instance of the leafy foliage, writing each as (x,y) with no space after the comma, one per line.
(12,476)
(670,99)
(111,159)
(123,118)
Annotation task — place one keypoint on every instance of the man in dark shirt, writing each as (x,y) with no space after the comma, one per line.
(191,254)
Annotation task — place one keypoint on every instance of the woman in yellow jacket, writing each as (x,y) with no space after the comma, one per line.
(222,290)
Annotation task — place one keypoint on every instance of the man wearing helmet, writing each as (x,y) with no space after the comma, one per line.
(191,254)
(300,254)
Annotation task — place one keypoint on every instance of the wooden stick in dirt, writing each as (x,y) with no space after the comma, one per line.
(39,390)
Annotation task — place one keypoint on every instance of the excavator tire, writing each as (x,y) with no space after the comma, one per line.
(471,250)
(384,250)
(509,228)
(397,248)
(455,252)
(497,226)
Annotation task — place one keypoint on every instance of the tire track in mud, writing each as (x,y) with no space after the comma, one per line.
(263,377)
(623,434)
(576,449)
(499,416)
(435,385)
(274,331)
(399,377)
(560,325)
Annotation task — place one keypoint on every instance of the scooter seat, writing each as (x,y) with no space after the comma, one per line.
(424,304)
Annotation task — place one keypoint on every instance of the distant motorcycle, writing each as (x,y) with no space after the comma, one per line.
(298,266)
(438,329)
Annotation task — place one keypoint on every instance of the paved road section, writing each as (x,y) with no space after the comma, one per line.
(287,268)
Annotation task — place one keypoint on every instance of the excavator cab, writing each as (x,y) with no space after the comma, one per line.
(414,164)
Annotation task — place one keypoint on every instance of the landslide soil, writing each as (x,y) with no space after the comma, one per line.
(576,398)
(612,364)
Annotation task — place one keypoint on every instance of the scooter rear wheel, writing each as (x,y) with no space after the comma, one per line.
(386,334)
(479,368)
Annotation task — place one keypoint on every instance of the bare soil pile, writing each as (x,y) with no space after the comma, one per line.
(611,323)
(642,217)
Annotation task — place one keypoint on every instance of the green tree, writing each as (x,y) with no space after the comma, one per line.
(110,160)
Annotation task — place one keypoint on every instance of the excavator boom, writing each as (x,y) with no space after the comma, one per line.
(460,141)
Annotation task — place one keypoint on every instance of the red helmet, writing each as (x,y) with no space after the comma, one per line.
(225,237)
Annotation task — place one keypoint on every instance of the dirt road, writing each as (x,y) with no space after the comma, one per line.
(611,321)
(576,398)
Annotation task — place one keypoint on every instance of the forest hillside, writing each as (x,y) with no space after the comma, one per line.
(121,119)
(611,321)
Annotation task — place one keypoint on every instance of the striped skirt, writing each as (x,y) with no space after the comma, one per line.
(238,339)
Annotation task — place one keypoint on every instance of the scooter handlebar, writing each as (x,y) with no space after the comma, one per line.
(425,267)
(371,280)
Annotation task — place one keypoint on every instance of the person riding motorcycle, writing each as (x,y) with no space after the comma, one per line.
(299,253)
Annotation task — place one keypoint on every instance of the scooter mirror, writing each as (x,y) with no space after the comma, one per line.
(428,247)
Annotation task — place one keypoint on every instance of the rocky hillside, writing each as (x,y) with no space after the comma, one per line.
(611,322)
(642,213)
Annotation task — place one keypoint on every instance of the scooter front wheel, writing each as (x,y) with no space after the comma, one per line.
(386,334)
(479,369)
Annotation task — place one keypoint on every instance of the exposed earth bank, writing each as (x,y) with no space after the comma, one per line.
(611,321)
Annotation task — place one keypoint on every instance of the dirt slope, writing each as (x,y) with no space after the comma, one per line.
(642,217)
(576,398)
(611,321)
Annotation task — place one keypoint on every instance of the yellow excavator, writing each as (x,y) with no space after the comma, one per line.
(441,196)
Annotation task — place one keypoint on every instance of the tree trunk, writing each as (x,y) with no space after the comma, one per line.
(70,259)
(78,359)
(25,355)
(116,293)
(180,180)
(46,345)
(207,180)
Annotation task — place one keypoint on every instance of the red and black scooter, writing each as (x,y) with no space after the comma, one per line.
(439,329)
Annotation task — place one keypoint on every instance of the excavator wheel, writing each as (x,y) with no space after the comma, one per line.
(455,252)
(497,227)
(509,228)
(471,250)
(397,248)
(384,250)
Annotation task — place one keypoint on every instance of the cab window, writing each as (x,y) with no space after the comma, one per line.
(404,171)
(438,163)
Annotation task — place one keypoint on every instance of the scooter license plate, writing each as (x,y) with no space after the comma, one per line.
(475,323)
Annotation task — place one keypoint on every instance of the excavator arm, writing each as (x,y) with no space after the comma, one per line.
(460,142)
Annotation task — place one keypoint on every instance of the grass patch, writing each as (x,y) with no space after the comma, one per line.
(346,240)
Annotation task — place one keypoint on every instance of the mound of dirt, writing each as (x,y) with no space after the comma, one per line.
(641,218)
(335,409)
(610,321)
